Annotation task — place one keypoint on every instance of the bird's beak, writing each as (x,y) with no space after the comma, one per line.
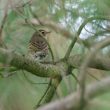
(48,32)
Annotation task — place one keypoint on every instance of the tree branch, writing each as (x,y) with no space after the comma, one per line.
(51,91)
(48,70)
(100,62)
(79,32)
(21,62)
(72,101)
(88,58)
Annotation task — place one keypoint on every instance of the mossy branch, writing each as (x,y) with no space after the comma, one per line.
(21,62)
(49,70)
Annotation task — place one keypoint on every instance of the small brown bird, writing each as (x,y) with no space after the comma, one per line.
(38,47)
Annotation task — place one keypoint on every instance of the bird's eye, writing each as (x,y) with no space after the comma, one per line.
(43,32)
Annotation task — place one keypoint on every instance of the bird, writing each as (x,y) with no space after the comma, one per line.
(38,47)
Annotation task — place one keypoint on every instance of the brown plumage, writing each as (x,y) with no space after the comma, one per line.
(38,47)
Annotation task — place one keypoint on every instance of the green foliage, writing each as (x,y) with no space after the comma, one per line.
(15,90)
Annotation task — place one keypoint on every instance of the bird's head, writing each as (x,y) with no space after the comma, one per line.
(43,32)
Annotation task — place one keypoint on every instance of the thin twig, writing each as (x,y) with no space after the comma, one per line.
(24,4)
(74,76)
(93,76)
(88,31)
(39,102)
(79,32)
(71,102)
(51,91)
(2,25)
(83,68)
(35,16)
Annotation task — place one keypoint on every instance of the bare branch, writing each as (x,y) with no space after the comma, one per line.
(99,33)
(44,95)
(72,101)
(50,91)
(84,66)
(100,62)
(52,25)
(79,32)
(2,25)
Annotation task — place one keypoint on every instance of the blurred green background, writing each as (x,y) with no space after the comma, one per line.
(17,93)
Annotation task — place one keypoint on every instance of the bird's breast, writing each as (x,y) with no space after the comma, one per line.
(38,45)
